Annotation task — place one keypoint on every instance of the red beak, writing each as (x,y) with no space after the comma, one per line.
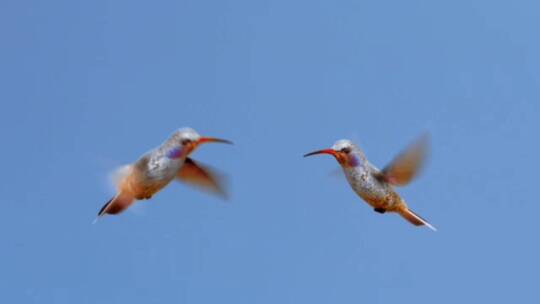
(325,151)
(203,140)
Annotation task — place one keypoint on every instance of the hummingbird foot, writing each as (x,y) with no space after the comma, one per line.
(380,210)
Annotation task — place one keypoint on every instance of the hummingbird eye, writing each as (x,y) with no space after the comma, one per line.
(186,141)
(346,150)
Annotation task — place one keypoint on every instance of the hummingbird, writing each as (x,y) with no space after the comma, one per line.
(375,186)
(154,170)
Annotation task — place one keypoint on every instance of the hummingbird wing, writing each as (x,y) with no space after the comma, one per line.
(336,173)
(203,177)
(407,164)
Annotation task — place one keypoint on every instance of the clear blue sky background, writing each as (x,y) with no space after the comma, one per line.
(90,85)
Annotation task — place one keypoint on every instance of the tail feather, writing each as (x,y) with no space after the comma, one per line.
(415,219)
(116,205)
(102,210)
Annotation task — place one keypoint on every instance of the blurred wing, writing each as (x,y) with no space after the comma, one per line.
(119,174)
(203,177)
(336,173)
(407,164)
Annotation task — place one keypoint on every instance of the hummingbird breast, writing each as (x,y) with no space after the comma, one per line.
(376,193)
(152,173)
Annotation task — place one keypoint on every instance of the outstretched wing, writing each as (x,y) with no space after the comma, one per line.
(407,164)
(203,177)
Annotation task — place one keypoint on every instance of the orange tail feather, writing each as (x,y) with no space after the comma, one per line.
(117,204)
(414,218)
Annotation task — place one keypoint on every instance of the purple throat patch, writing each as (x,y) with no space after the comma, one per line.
(175,153)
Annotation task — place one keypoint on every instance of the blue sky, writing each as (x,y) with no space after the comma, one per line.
(91,85)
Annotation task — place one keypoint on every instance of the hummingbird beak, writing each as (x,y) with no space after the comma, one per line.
(325,151)
(340,156)
(195,144)
(203,140)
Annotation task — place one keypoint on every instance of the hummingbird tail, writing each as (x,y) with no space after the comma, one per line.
(116,204)
(102,210)
(415,219)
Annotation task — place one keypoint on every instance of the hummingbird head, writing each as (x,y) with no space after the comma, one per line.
(345,151)
(186,140)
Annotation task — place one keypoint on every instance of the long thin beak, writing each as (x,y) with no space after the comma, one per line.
(203,140)
(325,151)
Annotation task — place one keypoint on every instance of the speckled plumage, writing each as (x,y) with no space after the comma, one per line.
(157,168)
(375,186)
(362,178)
